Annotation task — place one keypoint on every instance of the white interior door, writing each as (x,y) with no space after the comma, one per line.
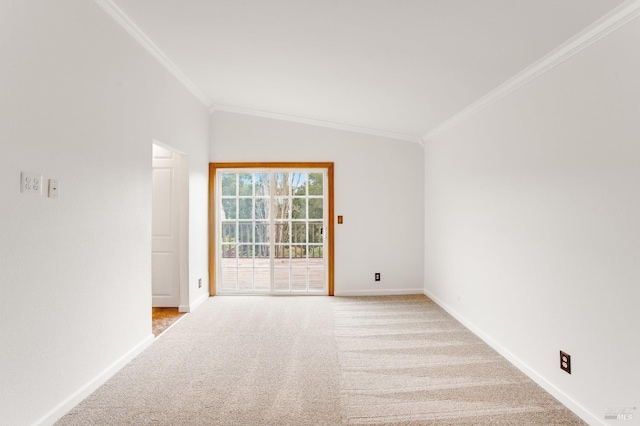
(165,261)
(272,231)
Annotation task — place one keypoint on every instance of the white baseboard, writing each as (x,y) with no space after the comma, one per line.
(191,307)
(572,405)
(75,398)
(382,292)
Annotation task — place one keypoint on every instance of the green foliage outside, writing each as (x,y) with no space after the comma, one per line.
(245,198)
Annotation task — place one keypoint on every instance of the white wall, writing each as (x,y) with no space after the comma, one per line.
(532,225)
(81,101)
(378,190)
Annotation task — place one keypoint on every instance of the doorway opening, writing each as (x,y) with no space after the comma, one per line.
(271,228)
(170,228)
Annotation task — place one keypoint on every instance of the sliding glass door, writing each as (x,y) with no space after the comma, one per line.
(271,231)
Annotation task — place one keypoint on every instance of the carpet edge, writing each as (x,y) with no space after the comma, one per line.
(380,292)
(558,394)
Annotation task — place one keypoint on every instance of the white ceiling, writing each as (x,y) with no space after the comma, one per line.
(396,66)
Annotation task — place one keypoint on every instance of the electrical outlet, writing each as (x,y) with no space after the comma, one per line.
(31,183)
(377,276)
(565,362)
(199,282)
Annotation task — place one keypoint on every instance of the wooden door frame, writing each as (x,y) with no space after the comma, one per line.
(213,168)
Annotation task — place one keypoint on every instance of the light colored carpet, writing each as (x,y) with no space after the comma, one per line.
(404,360)
(319,361)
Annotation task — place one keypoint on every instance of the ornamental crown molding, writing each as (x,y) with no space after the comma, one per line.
(125,22)
(312,122)
(608,23)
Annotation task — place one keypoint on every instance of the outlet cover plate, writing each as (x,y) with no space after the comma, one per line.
(31,183)
(565,362)
(54,188)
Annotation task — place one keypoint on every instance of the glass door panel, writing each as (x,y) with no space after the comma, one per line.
(271,226)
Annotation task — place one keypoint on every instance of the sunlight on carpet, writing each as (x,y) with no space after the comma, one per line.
(247,360)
